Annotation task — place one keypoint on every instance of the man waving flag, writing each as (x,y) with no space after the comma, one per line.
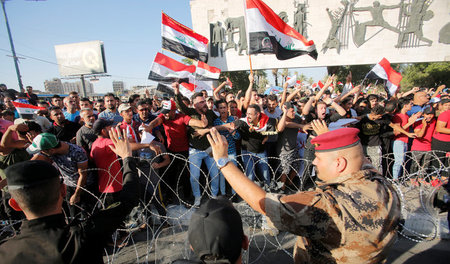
(268,33)
(384,71)
(183,40)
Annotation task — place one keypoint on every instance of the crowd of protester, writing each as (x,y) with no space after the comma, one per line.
(269,138)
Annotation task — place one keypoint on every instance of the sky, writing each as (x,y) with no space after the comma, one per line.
(130,31)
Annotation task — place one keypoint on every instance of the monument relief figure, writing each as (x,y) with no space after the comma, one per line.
(444,34)
(333,41)
(283,15)
(417,15)
(300,19)
(238,23)
(218,38)
(376,11)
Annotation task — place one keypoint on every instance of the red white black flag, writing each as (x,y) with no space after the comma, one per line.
(205,72)
(26,111)
(268,33)
(182,40)
(167,70)
(384,71)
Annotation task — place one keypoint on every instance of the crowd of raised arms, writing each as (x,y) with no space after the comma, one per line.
(270,139)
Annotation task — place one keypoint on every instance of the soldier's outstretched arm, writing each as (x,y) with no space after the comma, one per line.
(247,189)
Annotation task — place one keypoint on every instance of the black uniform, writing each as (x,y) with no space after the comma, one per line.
(50,240)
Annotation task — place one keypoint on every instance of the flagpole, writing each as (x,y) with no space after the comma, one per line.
(250,61)
(248,36)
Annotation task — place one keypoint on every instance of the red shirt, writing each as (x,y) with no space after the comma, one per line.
(424,143)
(401,119)
(176,132)
(109,173)
(443,117)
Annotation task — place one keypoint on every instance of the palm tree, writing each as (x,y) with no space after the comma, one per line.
(284,74)
(275,76)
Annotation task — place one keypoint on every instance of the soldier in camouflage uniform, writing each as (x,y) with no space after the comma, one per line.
(352,215)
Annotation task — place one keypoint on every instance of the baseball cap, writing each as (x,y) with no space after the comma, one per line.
(336,140)
(43,141)
(30,173)
(167,106)
(124,107)
(100,124)
(216,230)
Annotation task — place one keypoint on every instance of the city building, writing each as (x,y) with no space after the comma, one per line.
(118,87)
(57,87)
(53,86)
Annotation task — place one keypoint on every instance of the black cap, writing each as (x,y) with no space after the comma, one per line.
(30,173)
(216,230)
(100,124)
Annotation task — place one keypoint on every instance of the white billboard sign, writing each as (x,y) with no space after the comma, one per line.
(80,58)
(345,32)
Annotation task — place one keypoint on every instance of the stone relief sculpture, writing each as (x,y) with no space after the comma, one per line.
(444,34)
(411,17)
(414,14)
(336,19)
(300,23)
(283,15)
(238,24)
(218,38)
(376,11)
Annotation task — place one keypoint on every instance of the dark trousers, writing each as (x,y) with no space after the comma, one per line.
(175,181)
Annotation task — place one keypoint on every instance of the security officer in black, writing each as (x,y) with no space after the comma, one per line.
(45,237)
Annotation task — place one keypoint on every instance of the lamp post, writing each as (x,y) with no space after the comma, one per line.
(16,64)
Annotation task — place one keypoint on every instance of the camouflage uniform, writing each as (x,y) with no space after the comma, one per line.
(351,219)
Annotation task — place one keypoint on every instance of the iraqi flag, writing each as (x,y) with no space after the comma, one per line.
(167,70)
(384,71)
(182,40)
(268,33)
(26,111)
(317,85)
(205,72)
(200,85)
(186,89)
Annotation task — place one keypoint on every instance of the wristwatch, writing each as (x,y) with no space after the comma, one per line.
(222,162)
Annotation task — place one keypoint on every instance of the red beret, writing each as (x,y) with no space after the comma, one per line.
(336,139)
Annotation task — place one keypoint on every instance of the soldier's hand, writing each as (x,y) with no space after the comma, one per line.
(219,144)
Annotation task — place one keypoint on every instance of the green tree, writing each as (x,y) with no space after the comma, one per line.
(284,74)
(358,72)
(238,78)
(429,75)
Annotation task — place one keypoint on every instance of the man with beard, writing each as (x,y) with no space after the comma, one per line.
(198,144)
(111,112)
(86,135)
(176,129)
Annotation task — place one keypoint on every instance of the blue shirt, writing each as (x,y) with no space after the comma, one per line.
(230,138)
(113,116)
(415,109)
(71,117)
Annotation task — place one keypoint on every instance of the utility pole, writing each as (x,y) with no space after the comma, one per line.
(16,64)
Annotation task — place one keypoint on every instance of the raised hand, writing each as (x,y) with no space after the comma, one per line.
(121,146)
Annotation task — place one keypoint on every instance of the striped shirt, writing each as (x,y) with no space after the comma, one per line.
(230,138)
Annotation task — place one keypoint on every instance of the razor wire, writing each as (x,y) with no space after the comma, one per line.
(150,237)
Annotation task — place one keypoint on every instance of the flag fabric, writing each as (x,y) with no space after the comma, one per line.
(167,70)
(183,40)
(26,111)
(206,72)
(347,87)
(291,81)
(230,84)
(317,85)
(187,89)
(268,33)
(274,90)
(384,71)
(200,85)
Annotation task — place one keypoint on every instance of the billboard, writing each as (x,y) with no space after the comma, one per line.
(81,58)
(346,32)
